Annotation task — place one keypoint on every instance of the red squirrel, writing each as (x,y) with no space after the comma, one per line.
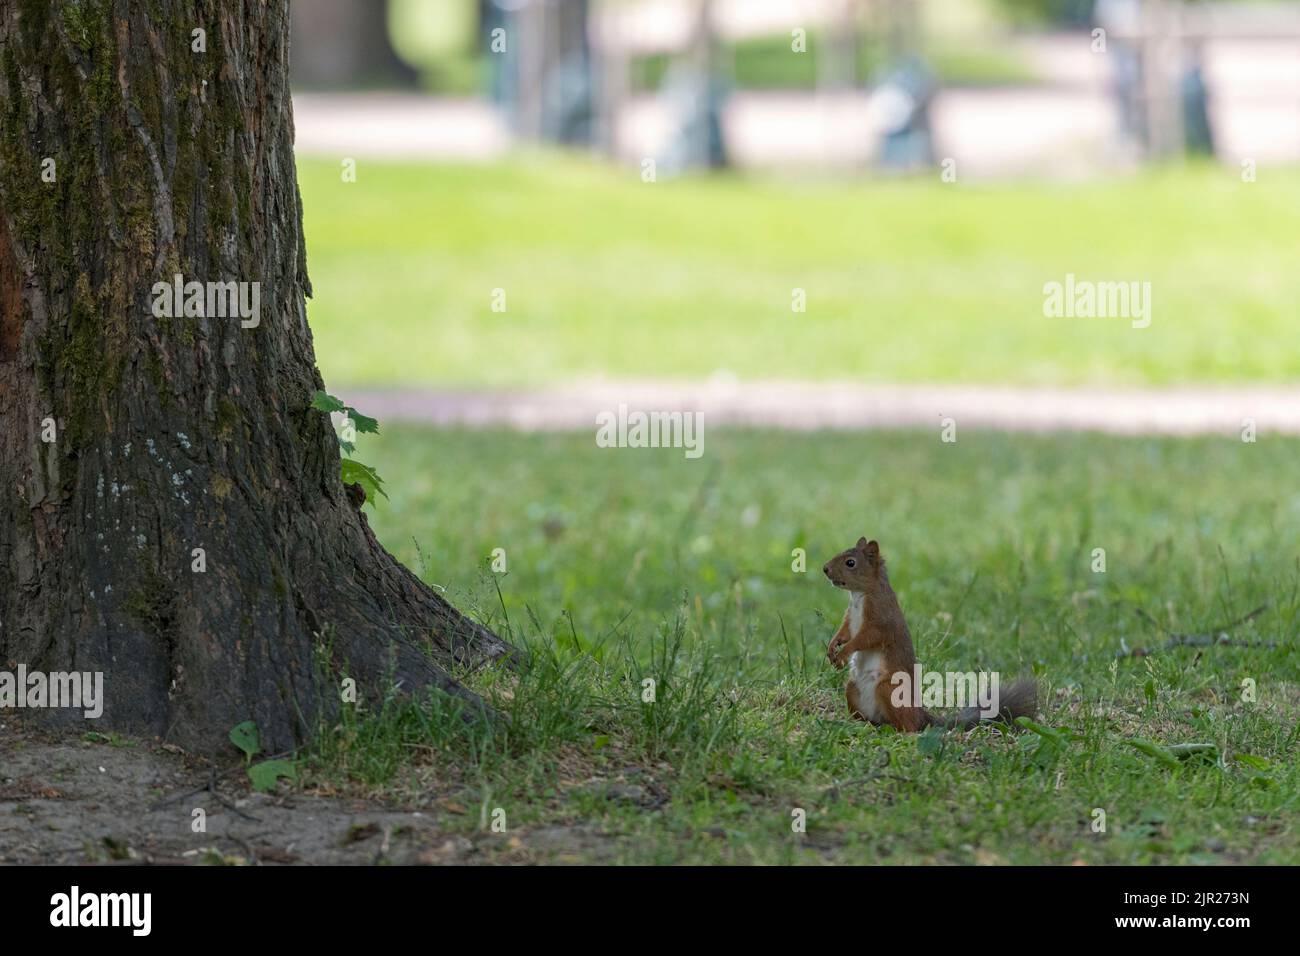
(874,641)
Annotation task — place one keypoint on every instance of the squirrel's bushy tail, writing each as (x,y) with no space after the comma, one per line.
(1018,699)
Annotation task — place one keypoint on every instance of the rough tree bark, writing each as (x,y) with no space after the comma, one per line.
(127,157)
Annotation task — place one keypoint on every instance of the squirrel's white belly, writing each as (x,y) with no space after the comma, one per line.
(867,669)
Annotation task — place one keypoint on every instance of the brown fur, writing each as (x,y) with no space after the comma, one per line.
(861,571)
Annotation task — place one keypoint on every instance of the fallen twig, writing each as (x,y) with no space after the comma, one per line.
(1217,638)
(832,790)
(213,777)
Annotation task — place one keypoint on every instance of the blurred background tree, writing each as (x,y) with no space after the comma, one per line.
(341,44)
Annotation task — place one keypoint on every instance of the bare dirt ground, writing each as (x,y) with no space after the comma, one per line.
(68,800)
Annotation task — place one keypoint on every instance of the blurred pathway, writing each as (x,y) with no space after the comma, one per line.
(805,406)
(397,126)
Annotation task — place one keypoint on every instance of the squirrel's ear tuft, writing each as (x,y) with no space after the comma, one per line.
(862,544)
(873,550)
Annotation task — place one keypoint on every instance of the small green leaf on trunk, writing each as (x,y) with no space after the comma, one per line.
(246,738)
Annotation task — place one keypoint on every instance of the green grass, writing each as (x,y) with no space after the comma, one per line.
(906,281)
(630,564)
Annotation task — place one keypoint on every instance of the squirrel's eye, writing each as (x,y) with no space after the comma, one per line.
(850,563)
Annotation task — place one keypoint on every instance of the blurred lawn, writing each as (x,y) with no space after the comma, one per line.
(905,280)
(997,528)
(767,63)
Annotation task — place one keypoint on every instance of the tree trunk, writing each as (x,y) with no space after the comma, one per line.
(128,157)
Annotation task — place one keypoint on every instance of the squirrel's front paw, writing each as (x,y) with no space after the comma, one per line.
(836,653)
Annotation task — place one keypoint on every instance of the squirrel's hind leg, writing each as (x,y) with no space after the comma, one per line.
(907,720)
(851,695)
